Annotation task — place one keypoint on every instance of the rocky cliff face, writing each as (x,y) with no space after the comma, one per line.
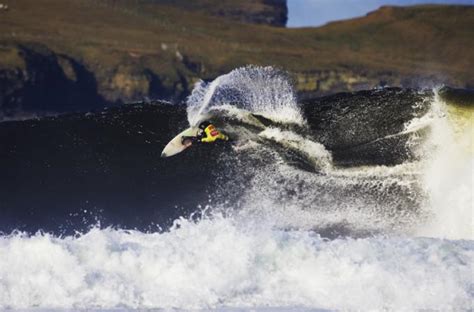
(324,82)
(65,55)
(36,80)
(266,12)
(269,12)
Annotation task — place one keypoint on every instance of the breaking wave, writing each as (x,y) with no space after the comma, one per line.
(448,170)
(287,227)
(220,263)
(259,90)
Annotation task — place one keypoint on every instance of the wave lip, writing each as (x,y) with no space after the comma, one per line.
(218,263)
(259,90)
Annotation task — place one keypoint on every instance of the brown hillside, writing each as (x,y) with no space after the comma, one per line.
(135,49)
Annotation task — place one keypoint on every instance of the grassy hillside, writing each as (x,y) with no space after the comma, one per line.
(159,48)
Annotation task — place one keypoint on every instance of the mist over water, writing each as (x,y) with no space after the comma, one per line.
(303,231)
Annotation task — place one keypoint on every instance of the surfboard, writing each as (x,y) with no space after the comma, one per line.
(175,146)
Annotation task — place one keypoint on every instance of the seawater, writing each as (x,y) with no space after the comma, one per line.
(271,252)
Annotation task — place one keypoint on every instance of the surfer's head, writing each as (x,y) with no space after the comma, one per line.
(203,125)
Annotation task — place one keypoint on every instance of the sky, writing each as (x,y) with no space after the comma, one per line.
(302,13)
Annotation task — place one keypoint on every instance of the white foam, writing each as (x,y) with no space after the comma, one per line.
(348,200)
(314,151)
(219,263)
(448,176)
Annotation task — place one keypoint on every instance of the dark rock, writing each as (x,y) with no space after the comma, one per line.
(266,12)
(273,13)
(43,82)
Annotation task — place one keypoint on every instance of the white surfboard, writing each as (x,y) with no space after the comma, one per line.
(176,146)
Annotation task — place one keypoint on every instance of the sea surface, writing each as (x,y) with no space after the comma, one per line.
(357,201)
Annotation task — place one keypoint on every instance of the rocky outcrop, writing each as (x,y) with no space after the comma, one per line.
(325,82)
(310,84)
(267,12)
(36,80)
(123,51)
(264,12)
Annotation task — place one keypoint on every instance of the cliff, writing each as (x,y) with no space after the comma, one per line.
(266,12)
(33,78)
(64,55)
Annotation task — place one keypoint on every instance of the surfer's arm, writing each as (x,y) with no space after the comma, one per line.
(201,138)
(223,137)
(216,138)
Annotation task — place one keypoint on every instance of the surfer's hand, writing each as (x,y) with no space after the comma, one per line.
(188,141)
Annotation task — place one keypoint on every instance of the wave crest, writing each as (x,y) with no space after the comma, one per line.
(260,90)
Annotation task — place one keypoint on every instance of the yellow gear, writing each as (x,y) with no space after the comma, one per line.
(212,134)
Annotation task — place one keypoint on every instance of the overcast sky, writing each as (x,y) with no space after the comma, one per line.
(318,12)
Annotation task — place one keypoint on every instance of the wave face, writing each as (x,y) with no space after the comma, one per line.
(357,201)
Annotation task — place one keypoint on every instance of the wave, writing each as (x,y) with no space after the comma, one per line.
(448,170)
(352,201)
(259,90)
(220,263)
(338,169)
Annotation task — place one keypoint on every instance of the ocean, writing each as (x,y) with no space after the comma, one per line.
(354,201)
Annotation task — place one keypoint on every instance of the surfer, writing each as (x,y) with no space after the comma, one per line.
(207,134)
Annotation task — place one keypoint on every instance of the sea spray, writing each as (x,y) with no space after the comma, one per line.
(259,90)
(448,176)
(315,152)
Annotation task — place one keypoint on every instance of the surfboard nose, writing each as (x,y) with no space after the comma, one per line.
(163,155)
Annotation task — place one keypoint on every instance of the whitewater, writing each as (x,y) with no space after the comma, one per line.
(310,236)
(219,263)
